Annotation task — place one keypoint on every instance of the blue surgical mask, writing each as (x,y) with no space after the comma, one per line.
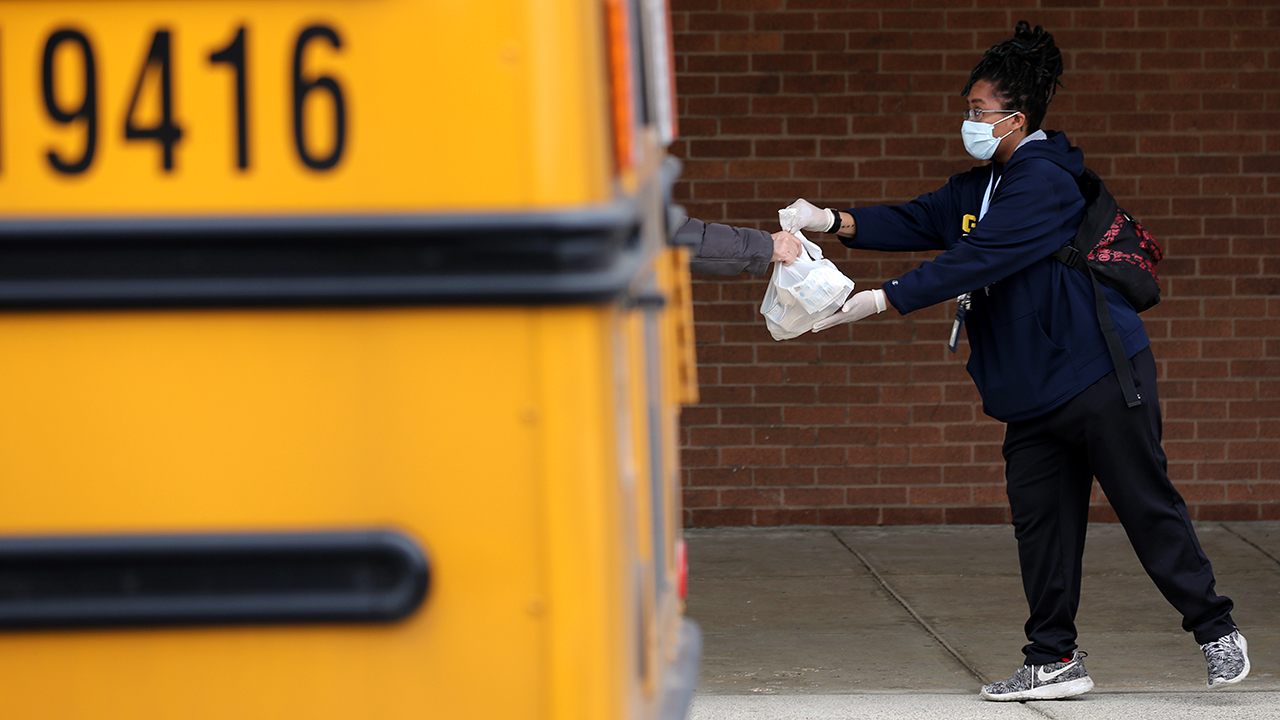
(979,139)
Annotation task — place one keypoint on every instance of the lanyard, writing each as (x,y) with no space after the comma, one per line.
(964,301)
(992,184)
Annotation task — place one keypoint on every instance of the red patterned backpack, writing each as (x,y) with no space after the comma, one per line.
(1113,248)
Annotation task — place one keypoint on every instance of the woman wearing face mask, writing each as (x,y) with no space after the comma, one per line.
(1041,364)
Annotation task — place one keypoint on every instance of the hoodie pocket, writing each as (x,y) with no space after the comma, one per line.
(1024,371)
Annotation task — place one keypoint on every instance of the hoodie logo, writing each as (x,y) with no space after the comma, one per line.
(967,223)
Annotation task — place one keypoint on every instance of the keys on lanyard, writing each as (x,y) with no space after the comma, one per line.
(962,306)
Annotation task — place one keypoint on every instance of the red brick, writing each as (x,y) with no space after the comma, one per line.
(976,515)
(719,518)
(848,516)
(749,84)
(1224,512)
(911,475)
(817,126)
(750,125)
(949,495)
(786,148)
(850,62)
(782,62)
(788,436)
(948,456)
(988,476)
(810,456)
(718,63)
(718,436)
(1227,471)
(785,21)
(810,497)
(815,415)
(701,498)
(1222,430)
(1257,450)
(1196,450)
(814,83)
(848,435)
(772,477)
(878,455)
(765,517)
(753,497)
(973,433)
(693,457)
(1254,492)
(911,516)
(718,21)
(910,435)
(848,476)
(876,496)
(751,416)
(849,394)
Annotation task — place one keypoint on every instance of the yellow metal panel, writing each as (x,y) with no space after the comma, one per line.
(638,360)
(191,421)
(680,324)
(447,106)
(588,551)
(681,387)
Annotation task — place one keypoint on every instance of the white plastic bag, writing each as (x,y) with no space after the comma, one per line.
(802,293)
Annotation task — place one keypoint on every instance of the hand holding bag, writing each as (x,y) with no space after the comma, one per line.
(802,293)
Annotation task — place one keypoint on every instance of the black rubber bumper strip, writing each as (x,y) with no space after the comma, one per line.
(587,254)
(210,579)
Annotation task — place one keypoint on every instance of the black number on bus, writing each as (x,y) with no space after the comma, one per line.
(165,132)
(233,55)
(86,112)
(303,86)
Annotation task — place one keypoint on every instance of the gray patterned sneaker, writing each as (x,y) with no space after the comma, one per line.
(1228,659)
(1062,679)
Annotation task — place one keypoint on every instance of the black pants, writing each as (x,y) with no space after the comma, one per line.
(1050,462)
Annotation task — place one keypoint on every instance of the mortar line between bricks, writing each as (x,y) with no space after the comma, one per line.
(926,626)
(1250,543)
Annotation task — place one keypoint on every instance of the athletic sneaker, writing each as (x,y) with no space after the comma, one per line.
(1228,659)
(1062,679)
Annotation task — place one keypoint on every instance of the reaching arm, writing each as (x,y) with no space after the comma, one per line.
(724,249)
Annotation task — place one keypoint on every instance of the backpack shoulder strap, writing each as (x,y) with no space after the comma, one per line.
(1090,185)
(1100,207)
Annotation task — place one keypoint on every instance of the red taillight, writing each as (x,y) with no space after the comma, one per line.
(620,77)
(682,569)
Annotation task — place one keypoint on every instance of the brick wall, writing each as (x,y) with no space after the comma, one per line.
(856,102)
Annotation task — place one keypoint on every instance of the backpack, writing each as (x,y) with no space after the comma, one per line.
(1113,248)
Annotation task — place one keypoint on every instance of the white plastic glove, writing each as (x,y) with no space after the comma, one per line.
(804,215)
(861,305)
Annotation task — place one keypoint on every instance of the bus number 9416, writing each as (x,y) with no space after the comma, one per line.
(167,130)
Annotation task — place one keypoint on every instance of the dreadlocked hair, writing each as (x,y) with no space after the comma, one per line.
(1025,71)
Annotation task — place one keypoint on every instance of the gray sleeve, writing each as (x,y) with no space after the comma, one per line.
(724,249)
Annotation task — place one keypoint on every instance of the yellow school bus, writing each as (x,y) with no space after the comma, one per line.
(342,351)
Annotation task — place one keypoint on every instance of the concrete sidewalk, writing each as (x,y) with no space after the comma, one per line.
(907,622)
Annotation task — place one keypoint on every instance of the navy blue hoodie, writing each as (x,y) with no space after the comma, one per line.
(1033,331)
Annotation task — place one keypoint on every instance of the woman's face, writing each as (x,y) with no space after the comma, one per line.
(983,96)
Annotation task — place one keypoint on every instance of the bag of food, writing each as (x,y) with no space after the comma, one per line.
(802,293)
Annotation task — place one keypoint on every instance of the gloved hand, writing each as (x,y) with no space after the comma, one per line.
(786,247)
(861,305)
(804,215)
